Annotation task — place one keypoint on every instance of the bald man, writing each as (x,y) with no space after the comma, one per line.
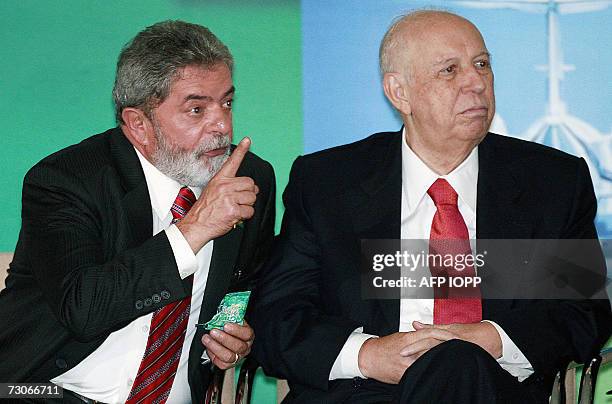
(441,176)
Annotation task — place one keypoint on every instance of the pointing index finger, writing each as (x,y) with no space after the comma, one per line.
(231,165)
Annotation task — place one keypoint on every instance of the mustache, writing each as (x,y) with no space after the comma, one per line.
(214,143)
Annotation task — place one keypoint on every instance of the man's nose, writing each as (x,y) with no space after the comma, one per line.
(221,119)
(473,80)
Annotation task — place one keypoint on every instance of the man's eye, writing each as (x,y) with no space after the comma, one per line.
(228,103)
(482,64)
(449,70)
(196,110)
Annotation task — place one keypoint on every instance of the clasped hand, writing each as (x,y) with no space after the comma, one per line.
(386,358)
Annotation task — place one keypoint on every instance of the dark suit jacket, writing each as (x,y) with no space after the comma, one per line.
(309,299)
(86,256)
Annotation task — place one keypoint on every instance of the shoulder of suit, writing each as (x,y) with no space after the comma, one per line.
(81,159)
(519,149)
(335,171)
(93,145)
(372,147)
(257,168)
(254,159)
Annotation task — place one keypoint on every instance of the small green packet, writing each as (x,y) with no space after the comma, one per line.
(231,310)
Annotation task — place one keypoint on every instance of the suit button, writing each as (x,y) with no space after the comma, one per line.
(139,305)
(357,382)
(156,298)
(237,272)
(165,294)
(148,301)
(61,363)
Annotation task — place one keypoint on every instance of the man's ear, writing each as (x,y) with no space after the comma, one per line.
(396,90)
(136,126)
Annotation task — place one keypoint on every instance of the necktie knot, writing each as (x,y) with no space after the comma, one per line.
(442,193)
(183,202)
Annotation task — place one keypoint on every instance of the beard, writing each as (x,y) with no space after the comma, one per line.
(191,168)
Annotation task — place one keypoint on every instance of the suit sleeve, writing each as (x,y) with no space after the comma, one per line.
(90,289)
(550,332)
(288,322)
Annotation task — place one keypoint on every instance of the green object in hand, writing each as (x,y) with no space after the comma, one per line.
(231,310)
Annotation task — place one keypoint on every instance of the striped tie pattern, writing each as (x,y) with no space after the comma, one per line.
(166,335)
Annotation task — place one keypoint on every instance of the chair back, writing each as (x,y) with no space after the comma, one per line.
(5,260)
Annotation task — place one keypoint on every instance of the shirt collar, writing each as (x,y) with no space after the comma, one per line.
(417,177)
(162,189)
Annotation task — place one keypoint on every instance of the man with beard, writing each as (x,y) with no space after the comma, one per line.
(134,235)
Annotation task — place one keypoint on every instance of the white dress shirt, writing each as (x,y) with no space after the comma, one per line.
(417,212)
(108,373)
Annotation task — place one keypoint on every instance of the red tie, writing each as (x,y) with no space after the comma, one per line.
(449,236)
(166,335)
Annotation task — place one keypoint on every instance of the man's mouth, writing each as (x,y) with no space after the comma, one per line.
(476,112)
(216,152)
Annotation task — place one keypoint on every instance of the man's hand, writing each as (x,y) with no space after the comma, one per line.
(381,358)
(226,201)
(482,334)
(226,347)
(386,359)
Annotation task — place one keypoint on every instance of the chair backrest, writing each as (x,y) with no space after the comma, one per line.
(5,260)
(282,389)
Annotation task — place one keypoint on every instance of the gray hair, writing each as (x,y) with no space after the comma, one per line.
(392,41)
(150,62)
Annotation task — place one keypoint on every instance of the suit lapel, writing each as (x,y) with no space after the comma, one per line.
(224,256)
(381,189)
(136,202)
(377,216)
(500,214)
(225,253)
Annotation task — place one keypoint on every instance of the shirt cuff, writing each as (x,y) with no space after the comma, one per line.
(512,360)
(183,254)
(346,365)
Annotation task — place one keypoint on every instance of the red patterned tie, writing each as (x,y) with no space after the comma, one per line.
(449,235)
(166,335)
